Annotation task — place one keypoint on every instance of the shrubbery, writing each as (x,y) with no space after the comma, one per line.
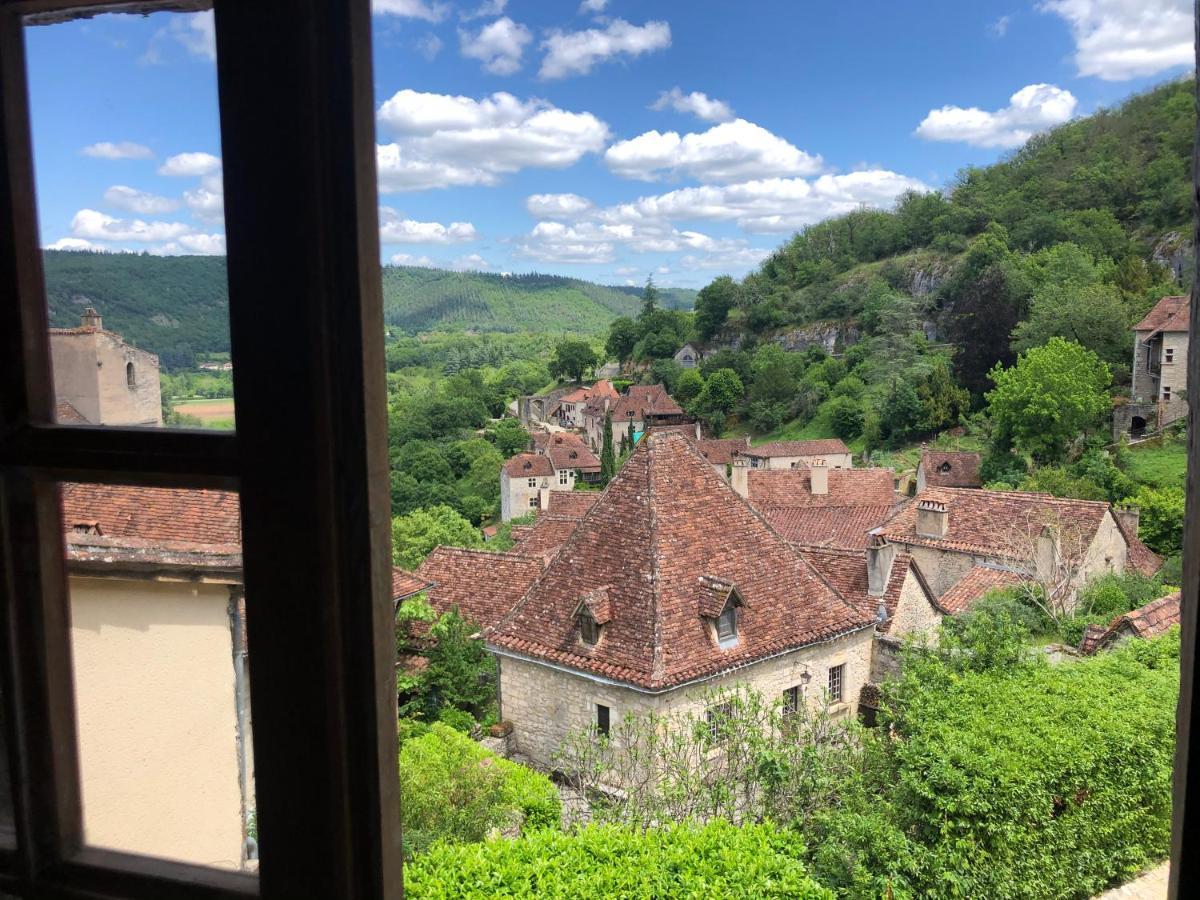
(453,790)
(716,860)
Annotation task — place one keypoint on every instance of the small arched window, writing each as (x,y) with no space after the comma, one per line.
(130,378)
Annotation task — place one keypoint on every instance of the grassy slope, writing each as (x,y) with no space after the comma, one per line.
(1164,466)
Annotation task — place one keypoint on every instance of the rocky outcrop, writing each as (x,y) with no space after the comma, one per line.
(830,335)
(927,279)
(1174,251)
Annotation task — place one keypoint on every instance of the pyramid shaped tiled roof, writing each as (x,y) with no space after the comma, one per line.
(665,526)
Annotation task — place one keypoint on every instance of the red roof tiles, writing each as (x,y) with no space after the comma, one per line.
(945,468)
(571,504)
(846,570)
(528,465)
(547,534)
(845,527)
(66,414)
(155,514)
(666,521)
(1168,314)
(1151,620)
(847,487)
(484,586)
(405,584)
(978,581)
(828,447)
(722,451)
(568,451)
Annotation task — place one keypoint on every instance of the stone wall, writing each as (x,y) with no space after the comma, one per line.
(914,613)
(544,703)
(91,372)
(942,568)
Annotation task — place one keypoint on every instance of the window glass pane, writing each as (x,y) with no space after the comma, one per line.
(131,206)
(159,652)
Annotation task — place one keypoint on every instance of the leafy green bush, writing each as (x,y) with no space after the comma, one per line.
(716,860)
(457,719)
(1161,525)
(453,790)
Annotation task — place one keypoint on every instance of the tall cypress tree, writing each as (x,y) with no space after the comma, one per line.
(608,462)
(630,437)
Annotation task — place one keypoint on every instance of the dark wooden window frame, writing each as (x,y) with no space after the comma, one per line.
(306,311)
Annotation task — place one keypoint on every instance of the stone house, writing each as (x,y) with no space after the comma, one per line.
(948,468)
(795,454)
(159,652)
(968,541)
(669,587)
(688,356)
(524,479)
(722,453)
(568,452)
(101,380)
(1159,391)
(641,406)
(571,406)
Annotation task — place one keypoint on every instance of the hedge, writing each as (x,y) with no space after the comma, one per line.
(714,860)
(452,789)
(1043,781)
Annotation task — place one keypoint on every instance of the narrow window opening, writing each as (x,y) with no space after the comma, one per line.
(589,631)
(835,683)
(602,719)
(130,376)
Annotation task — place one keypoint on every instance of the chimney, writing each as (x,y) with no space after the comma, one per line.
(90,319)
(932,519)
(1129,516)
(739,477)
(1047,554)
(880,555)
(819,477)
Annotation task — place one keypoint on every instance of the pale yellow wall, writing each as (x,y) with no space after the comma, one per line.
(833,461)
(90,374)
(1174,373)
(914,613)
(545,704)
(155,703)
(515,492)
(73,358)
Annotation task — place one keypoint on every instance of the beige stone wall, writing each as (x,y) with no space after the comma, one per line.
(91,373)
(515,492)
(157,719)
(76,376)
(914,613)
(544,704)
(942,569)
(833,461)
(1174,373)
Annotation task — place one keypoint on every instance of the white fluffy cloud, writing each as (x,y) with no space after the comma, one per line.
(472,262)
(1033,108)
(141,202)
(90,224)
(697,103)
(592,6)
(430,46)
(1121,39)
(190,164)
(484,10)
(119,150)
(395,230)
(595,240)
(727,152)
(499,46)
(69,243)
(407,259)
(204,244)
(411,9)
(207,201)
(576,52)
(197,33)
(445,140)
(557,206)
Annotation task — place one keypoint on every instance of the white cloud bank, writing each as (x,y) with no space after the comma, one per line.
(395,230)
(91,224)
(119,150)
(1033,108)
(730,151)
(190,165)
(499,46)
(141,202)
(443,140)
(411,9)
(1117,40)
(697,103)
(576,52)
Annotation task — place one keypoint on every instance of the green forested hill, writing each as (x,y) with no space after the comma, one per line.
(177,306)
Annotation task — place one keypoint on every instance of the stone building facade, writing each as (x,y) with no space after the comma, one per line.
(1159,391)
(101,380)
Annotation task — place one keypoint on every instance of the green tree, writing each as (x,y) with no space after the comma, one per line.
(943,402)
(722,392)
(608,462)
(1094,316)
(1161,520)
(845,417)
(416,534)
(713,304)
(650,296)
(509,437)
(1052,395)
(572,359)
(687,386)
(630,435)
(622,338)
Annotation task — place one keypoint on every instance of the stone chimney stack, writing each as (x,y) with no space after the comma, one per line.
(819,477)
(880,555)
(1129,516)
(90,319)
(739,476)
(1047,554)
(933,521)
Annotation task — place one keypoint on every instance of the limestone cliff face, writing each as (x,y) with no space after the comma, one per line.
(1174,251)
(830,335)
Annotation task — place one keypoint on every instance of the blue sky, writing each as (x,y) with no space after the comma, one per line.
(606,139)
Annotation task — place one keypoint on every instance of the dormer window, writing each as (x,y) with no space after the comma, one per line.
(944,468)
(719,602)
(592,614)
(727,625)
(589,631)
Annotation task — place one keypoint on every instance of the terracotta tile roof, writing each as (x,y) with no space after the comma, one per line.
(1148,621)
(484,586)
(798,448)
(847,487)
(547,534)
(528,465)
(845,527)
(602,388)
(568,451)
(66,414)
(571,504)
(405,584)
(517,532)
(977,582)
(1168,314)
(846,570)
(945,468)
(1090,642)
(636,403)
(101,553)
(987,522)
(722,451)
(664,522)
(165,515)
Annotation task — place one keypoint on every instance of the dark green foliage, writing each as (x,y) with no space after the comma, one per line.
(713,304)
(1161,524)
(1001,466)
(687,386)
(572,359)
(622,337)
(508,436)
(608,462)
(713,860)
(845,417)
